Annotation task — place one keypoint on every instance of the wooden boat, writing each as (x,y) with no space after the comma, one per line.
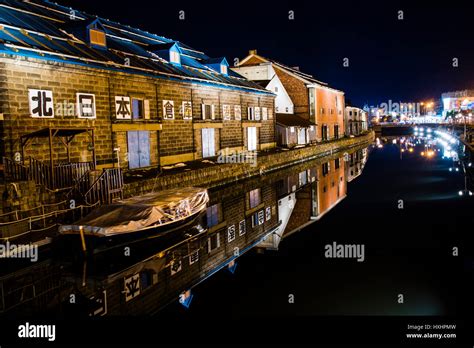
(141,217)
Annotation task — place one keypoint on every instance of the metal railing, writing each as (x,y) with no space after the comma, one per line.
(14,171)
(40,222)
(61,176)
(106,188)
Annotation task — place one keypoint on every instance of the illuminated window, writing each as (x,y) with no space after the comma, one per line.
(97,37)
(223,69)
(175,57)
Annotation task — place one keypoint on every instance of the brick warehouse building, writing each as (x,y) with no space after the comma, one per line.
(78,88)
(302,101)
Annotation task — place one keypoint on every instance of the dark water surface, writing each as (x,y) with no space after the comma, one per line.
(408,251)
(404,208)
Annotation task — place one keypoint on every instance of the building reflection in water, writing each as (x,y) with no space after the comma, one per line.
(259,212)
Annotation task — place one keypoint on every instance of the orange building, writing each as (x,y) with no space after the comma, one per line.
(311,99)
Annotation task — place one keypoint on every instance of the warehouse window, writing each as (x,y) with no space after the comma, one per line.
(97,37)
(251,113)
(325,168)
(207,111)
(255,198)
(213,242)
(212,215)
(138,108)
(175,57)
(258,218)
(223,69)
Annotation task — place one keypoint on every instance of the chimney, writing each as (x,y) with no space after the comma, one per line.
(254,52)
(296,68)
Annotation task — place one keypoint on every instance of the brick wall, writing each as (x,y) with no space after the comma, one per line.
(297,91)
(223,174)
(327,113)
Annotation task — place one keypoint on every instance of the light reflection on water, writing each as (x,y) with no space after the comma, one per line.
(299,211)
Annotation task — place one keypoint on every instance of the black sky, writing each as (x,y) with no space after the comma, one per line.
(401,60)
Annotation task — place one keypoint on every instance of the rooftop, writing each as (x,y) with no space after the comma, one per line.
(44,30)
(309,79)
(290,120)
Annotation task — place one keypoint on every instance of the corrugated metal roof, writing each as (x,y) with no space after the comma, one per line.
(45,30)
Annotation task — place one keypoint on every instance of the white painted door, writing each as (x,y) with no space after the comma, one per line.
(252,138)
(208,143)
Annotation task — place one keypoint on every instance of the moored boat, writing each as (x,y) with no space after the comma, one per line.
(141,217)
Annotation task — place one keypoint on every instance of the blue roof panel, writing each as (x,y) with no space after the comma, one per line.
(46,18)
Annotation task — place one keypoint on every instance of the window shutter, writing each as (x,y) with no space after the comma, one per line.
(257,113)
(146,106)
(203,111)
(213,112)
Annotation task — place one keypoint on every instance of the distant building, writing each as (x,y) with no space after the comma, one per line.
(316,110)
(355,121)
(458,101)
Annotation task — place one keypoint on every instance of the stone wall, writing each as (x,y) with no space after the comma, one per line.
(171,141)
(24,195)
(223,174)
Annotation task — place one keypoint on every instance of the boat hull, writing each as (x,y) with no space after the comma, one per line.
(94,244)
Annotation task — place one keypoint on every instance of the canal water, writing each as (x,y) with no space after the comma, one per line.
(261,249)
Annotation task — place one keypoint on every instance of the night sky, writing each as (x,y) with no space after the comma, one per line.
(402,60)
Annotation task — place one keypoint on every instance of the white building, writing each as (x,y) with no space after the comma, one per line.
(264,74)
(291,130)
(356,121)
